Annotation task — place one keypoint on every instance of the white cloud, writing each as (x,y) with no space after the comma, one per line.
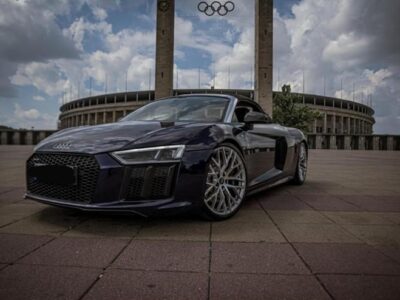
(99,13)
(31,117)
(30,114)
(38,98)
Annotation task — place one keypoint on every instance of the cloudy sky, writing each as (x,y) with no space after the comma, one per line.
(53,51)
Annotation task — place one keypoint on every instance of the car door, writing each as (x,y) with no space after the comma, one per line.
(262,142)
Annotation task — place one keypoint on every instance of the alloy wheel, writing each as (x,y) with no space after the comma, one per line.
(302,165)
(226,182)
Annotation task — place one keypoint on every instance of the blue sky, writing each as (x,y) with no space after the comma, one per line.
(52,50)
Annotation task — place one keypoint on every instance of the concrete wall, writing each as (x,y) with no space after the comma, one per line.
(354,142)
(23,137)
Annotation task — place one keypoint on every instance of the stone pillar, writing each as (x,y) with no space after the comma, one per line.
(318,141)
(16,138)
(114,118)
(263,54)
(29,138)
(324,130)
(42,136)
(347,142)
(375,143)
(390,143)
(3,139)
(334,124)
(165,48)
(341,124)
(348,126)
(104,117)
(361,142)
(332,142)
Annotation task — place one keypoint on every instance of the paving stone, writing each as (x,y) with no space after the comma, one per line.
(49,221)
(13,212)
(232,231)
(165,256)
(45,282)
(375,203)
(346,258)
(128,284)
(176,230)
(388,235)
(14,246)
(267,258)
(361,218)
(250,216)
(298,217)
(317,233)
(251,203)
(362,287)
(107,227)
(390,251)
(287,202)
(392,217)
(12,196)
(327,203)
(76,252)
(258,286)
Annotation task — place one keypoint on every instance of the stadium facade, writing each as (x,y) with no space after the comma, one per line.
(343,124)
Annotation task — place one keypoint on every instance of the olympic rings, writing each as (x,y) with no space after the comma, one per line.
(215,7)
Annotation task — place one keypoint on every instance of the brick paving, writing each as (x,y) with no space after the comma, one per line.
(336,237)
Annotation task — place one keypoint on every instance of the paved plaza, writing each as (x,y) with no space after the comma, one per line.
(336,237)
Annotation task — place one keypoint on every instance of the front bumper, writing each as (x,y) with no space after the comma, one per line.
(117,190)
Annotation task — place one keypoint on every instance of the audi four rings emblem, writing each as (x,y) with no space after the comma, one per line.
(216,7)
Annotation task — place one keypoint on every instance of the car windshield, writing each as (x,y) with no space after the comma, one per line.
(183,109)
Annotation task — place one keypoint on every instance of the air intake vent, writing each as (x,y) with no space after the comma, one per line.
(151,182)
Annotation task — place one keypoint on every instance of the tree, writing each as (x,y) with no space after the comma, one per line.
(288,113)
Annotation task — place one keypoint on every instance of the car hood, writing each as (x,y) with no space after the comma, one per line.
(115,136)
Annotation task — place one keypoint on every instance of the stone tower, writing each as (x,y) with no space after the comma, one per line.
(263,54)
(164,48)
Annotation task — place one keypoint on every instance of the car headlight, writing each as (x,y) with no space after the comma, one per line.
(153,154)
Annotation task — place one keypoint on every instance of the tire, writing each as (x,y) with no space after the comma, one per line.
(301,167)
(226,182)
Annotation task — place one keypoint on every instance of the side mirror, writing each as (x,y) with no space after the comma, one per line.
(254,117)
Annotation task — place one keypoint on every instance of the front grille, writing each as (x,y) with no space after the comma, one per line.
(150,182)
(83,191)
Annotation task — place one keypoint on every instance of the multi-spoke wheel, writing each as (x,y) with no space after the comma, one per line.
(225,184)
(301,169)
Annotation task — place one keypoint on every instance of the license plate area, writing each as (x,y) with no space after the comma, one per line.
(54,174)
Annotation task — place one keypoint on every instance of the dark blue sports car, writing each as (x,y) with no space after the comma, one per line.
(201,153)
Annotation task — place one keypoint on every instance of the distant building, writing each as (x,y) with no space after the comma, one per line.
(339,116)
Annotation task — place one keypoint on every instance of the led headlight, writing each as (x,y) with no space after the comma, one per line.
(153,154)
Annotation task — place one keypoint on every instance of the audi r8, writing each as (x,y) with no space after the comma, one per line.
(203,153)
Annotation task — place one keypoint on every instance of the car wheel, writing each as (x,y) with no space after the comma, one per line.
(225,183)
(301,169)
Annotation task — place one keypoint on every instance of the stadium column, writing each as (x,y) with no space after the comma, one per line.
(390,143)
(164,48)
(263,54)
